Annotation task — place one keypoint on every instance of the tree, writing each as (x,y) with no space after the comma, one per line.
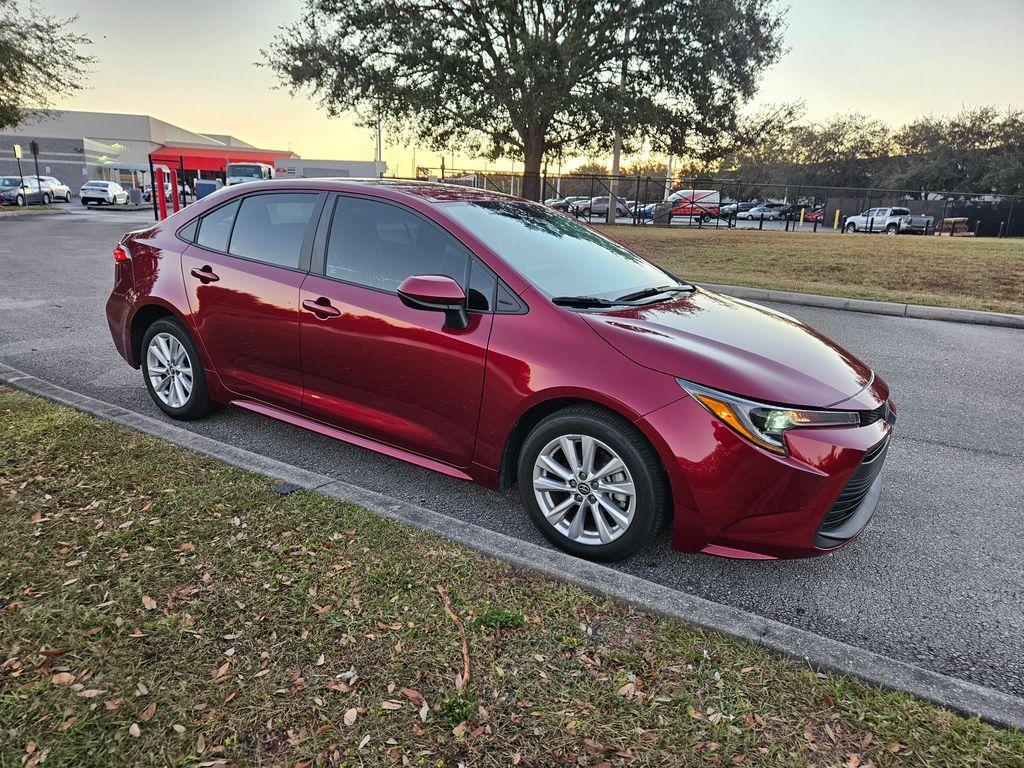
(39,56)
(504,77)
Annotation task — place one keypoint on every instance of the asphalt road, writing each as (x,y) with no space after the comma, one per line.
(936,580)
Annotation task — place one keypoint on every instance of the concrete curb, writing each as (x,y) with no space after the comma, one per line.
(917,311)
(818,652)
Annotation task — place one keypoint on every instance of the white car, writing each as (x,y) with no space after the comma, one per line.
(99,192)
(60,190)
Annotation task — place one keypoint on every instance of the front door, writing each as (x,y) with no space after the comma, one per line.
(242,277)
(372,365)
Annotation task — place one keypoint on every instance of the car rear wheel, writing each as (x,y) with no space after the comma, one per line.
(173,371)
(892,229)
(592,484)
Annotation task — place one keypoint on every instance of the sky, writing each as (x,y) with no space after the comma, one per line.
(193,63)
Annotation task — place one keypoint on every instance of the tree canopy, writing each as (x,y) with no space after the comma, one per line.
(503,78)
(975,150)
(40,57)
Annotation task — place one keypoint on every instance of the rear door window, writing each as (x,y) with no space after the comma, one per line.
(271,228)
(215,228)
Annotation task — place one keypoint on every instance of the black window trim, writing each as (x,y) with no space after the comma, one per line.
(305,251)
(318,265)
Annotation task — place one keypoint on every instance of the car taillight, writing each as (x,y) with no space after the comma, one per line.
(121,253)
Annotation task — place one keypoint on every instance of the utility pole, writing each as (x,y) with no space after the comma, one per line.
(668,179)
(613,199)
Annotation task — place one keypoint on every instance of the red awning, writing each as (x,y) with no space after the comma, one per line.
(215,158)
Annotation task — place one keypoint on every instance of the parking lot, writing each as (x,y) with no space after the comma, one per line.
(935,579)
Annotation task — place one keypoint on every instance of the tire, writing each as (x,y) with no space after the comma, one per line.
(892,229)
(851,227)
(750,217)
(196,402)
(585,212)
(19,200)
(598,534)
(47,199)
(67,197)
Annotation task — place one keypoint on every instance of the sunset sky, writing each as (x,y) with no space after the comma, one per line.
(192,62)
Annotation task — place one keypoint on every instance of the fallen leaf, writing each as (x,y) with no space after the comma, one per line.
(320,661)
(134,730)
(178,728)
(141,688)
(391,704)
(148,714)
(62,678)
(364,741)
(351,715)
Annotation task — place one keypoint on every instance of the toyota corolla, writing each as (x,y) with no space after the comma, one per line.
(498,341)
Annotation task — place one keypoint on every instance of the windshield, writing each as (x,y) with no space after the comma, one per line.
(560,256)
(244,171)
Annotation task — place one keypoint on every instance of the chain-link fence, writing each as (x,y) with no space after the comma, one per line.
(737,203)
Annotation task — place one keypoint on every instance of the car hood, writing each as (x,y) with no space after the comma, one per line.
(738,347)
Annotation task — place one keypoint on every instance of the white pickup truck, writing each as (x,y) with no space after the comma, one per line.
(892,221)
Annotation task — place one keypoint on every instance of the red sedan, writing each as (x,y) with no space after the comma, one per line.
(498,341)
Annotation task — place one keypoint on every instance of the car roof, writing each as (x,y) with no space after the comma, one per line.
(428,191)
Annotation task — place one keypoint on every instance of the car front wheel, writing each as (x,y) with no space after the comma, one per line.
(592,484)
(173,371)
(851,227)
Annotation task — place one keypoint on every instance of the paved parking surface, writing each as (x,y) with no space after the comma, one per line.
(936,580)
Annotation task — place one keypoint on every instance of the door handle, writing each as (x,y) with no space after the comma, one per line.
(321,308)
(205,275)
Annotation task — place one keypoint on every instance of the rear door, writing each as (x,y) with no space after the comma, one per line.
(242,277)
(375,367)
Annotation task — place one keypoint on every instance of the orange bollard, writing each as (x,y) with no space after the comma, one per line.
(158,193)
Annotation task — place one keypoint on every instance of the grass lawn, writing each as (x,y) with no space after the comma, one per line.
(159,608)
(983,273)
(13,210)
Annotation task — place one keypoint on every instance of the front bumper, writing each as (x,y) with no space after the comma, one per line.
(734,499)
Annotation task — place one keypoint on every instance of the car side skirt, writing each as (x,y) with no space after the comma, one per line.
(358,440)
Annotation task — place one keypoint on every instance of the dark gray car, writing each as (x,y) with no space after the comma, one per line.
(28,191)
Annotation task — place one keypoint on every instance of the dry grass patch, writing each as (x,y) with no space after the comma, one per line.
(983,273)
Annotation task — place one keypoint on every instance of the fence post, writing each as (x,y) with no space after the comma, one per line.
(158,194)
(152,189)
(760,221)
(835,224)
(1002,229)
(977,228)
(174,191)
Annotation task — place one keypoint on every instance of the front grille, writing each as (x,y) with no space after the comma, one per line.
(849,499)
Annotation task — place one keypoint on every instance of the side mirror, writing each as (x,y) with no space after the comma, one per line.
(436,293)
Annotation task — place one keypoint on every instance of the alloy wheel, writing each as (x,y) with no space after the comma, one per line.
(584,489)
(170,370)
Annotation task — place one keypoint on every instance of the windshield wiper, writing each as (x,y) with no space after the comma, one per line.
(584,302)
(648,292)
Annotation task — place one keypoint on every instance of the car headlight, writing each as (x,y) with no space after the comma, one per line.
(764,424)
